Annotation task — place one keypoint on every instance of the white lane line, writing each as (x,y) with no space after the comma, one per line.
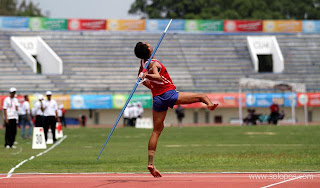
(185,173)
(32,157)
(106,176)
(282,182)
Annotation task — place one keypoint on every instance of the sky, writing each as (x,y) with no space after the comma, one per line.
(93,9)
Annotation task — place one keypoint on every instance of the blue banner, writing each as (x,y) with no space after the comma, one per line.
(267,99)
(160,25)
(310,26)
(14,22)
(91,101)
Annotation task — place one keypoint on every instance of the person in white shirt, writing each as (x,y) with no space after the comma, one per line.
(61,113)
(126,117)
(37,109)
(25,117)
(50,112)
(135,113)
(140,109)
(10,108)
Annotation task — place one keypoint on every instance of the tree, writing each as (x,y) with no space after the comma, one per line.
(8,7)
(227,9)
(28,9)
(11,8)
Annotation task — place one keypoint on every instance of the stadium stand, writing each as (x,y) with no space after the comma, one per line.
(104,62)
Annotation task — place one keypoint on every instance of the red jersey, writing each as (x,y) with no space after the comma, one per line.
(160,87)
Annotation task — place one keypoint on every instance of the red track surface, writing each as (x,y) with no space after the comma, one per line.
(167,181)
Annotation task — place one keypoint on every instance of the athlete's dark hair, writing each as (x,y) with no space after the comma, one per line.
(141,51)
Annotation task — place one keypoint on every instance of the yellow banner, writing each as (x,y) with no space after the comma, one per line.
(63,99)
(125,25)
(60,99)
(282,26)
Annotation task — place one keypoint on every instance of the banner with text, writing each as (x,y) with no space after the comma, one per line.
(311,26)
(126,25)
(267,99)
(204,25)
(91,101)
(160,25)
(14,22)
(86,24)
(311,99)
(282,26)
(37,23)
(243,25)
(60,99)
(120,100)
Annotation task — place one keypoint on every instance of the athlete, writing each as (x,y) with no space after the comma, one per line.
(164,93)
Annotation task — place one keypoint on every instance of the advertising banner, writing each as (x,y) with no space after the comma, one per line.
(311,99)
(38,23)
(60,99)
(204,25)
(282,26)
(311,26)
(14,22)
(86,24)
(267,99)
(91,101)
(120,100)
(225,100)
(63,99)
(160,25)
(126,25)
(243,25)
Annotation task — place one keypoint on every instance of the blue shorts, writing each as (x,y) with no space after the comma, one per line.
(165,100)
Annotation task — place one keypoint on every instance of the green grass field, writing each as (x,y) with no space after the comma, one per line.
(193,149)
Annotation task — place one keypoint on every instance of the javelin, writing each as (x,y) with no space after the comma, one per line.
(134,89)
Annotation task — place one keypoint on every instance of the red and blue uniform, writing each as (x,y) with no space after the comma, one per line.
(164,92)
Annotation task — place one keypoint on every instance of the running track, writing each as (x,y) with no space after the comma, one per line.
(170,180)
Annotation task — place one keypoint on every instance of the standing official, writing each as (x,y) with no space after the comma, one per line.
(50,112)
(25,117)
(10,108)
(38,106)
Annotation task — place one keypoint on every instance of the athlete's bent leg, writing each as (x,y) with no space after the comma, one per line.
(189,98)
(158,119)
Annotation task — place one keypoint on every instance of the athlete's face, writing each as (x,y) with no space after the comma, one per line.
(149,47)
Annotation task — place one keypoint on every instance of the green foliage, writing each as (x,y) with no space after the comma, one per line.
(8,7)
(227,9)
(11,8)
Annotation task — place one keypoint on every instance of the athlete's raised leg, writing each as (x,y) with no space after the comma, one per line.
(189,98)
(158,119)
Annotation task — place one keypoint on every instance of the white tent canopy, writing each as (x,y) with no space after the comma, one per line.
(251,83)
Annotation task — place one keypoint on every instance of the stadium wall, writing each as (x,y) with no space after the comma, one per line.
(108,117)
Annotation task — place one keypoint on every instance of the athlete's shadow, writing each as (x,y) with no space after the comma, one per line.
(127,181)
